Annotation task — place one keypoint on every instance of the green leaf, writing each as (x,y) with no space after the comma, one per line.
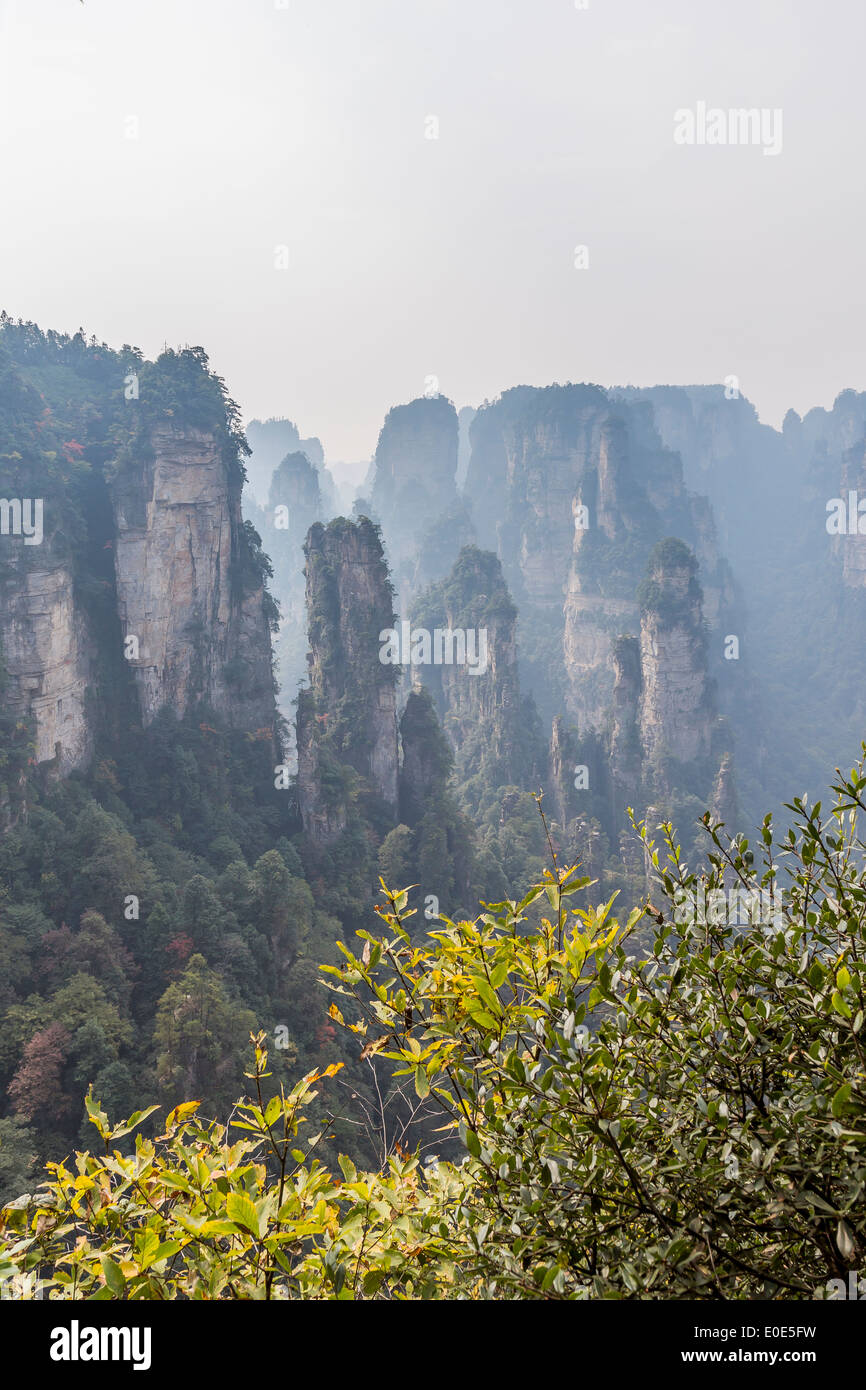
(840,1005)
(484,1020)
(241,1210)
(350,1172)
(373,1281)
(113,1276)
(499,974)
(841,1099)
(487,994)
(132,1123)
(214,1228)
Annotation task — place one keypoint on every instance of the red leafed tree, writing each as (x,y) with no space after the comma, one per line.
(35,1088)
(179,950)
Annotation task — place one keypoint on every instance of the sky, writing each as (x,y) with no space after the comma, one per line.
(347,202)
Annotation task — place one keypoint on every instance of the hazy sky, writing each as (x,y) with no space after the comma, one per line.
(263,124)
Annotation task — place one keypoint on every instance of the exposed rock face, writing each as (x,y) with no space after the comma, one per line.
(416,457)
(676,711)
(593,621)
(349,714)
(724,804)
(270,442)
(530,449)
(560,762)
(295,503)
(573,486)
(48,652)
(626,751)
(414,475)
(831,447)
(465,416)
(295,489)
(735,460)
(182,587)
(481,709)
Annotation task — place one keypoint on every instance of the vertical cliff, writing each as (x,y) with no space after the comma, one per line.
(530,450)
(295,503)
(347,719)
(48,651)
(413,483)
(572,486)
(47,645)
(416,461)
(608,550)
(626,748)
(676,705)
(186,589)
(146,588)
(270,441)
(487,721)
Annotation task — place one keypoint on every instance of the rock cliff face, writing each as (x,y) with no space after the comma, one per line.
(487,722)
(182,587)
(676,706)
(295,488)
(295,503)
(270,441)
(413,482)
(142,539)
(662,748)
(632,492)
(48,652)
(575,486)
(416,459)
(348,716)
(725,805)
(750,472)
(626,748)
(530,450)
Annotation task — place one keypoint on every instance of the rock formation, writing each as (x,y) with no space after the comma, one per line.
(427,758)
(490,726)
(413,482)
(676,707)
(48,651)
(146,589)
(270,441)
(347,719)
(573,486)
(183,589)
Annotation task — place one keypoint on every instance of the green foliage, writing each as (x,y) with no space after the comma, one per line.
(685,1119)
(669,1113)
(671,560)
(242,1210)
